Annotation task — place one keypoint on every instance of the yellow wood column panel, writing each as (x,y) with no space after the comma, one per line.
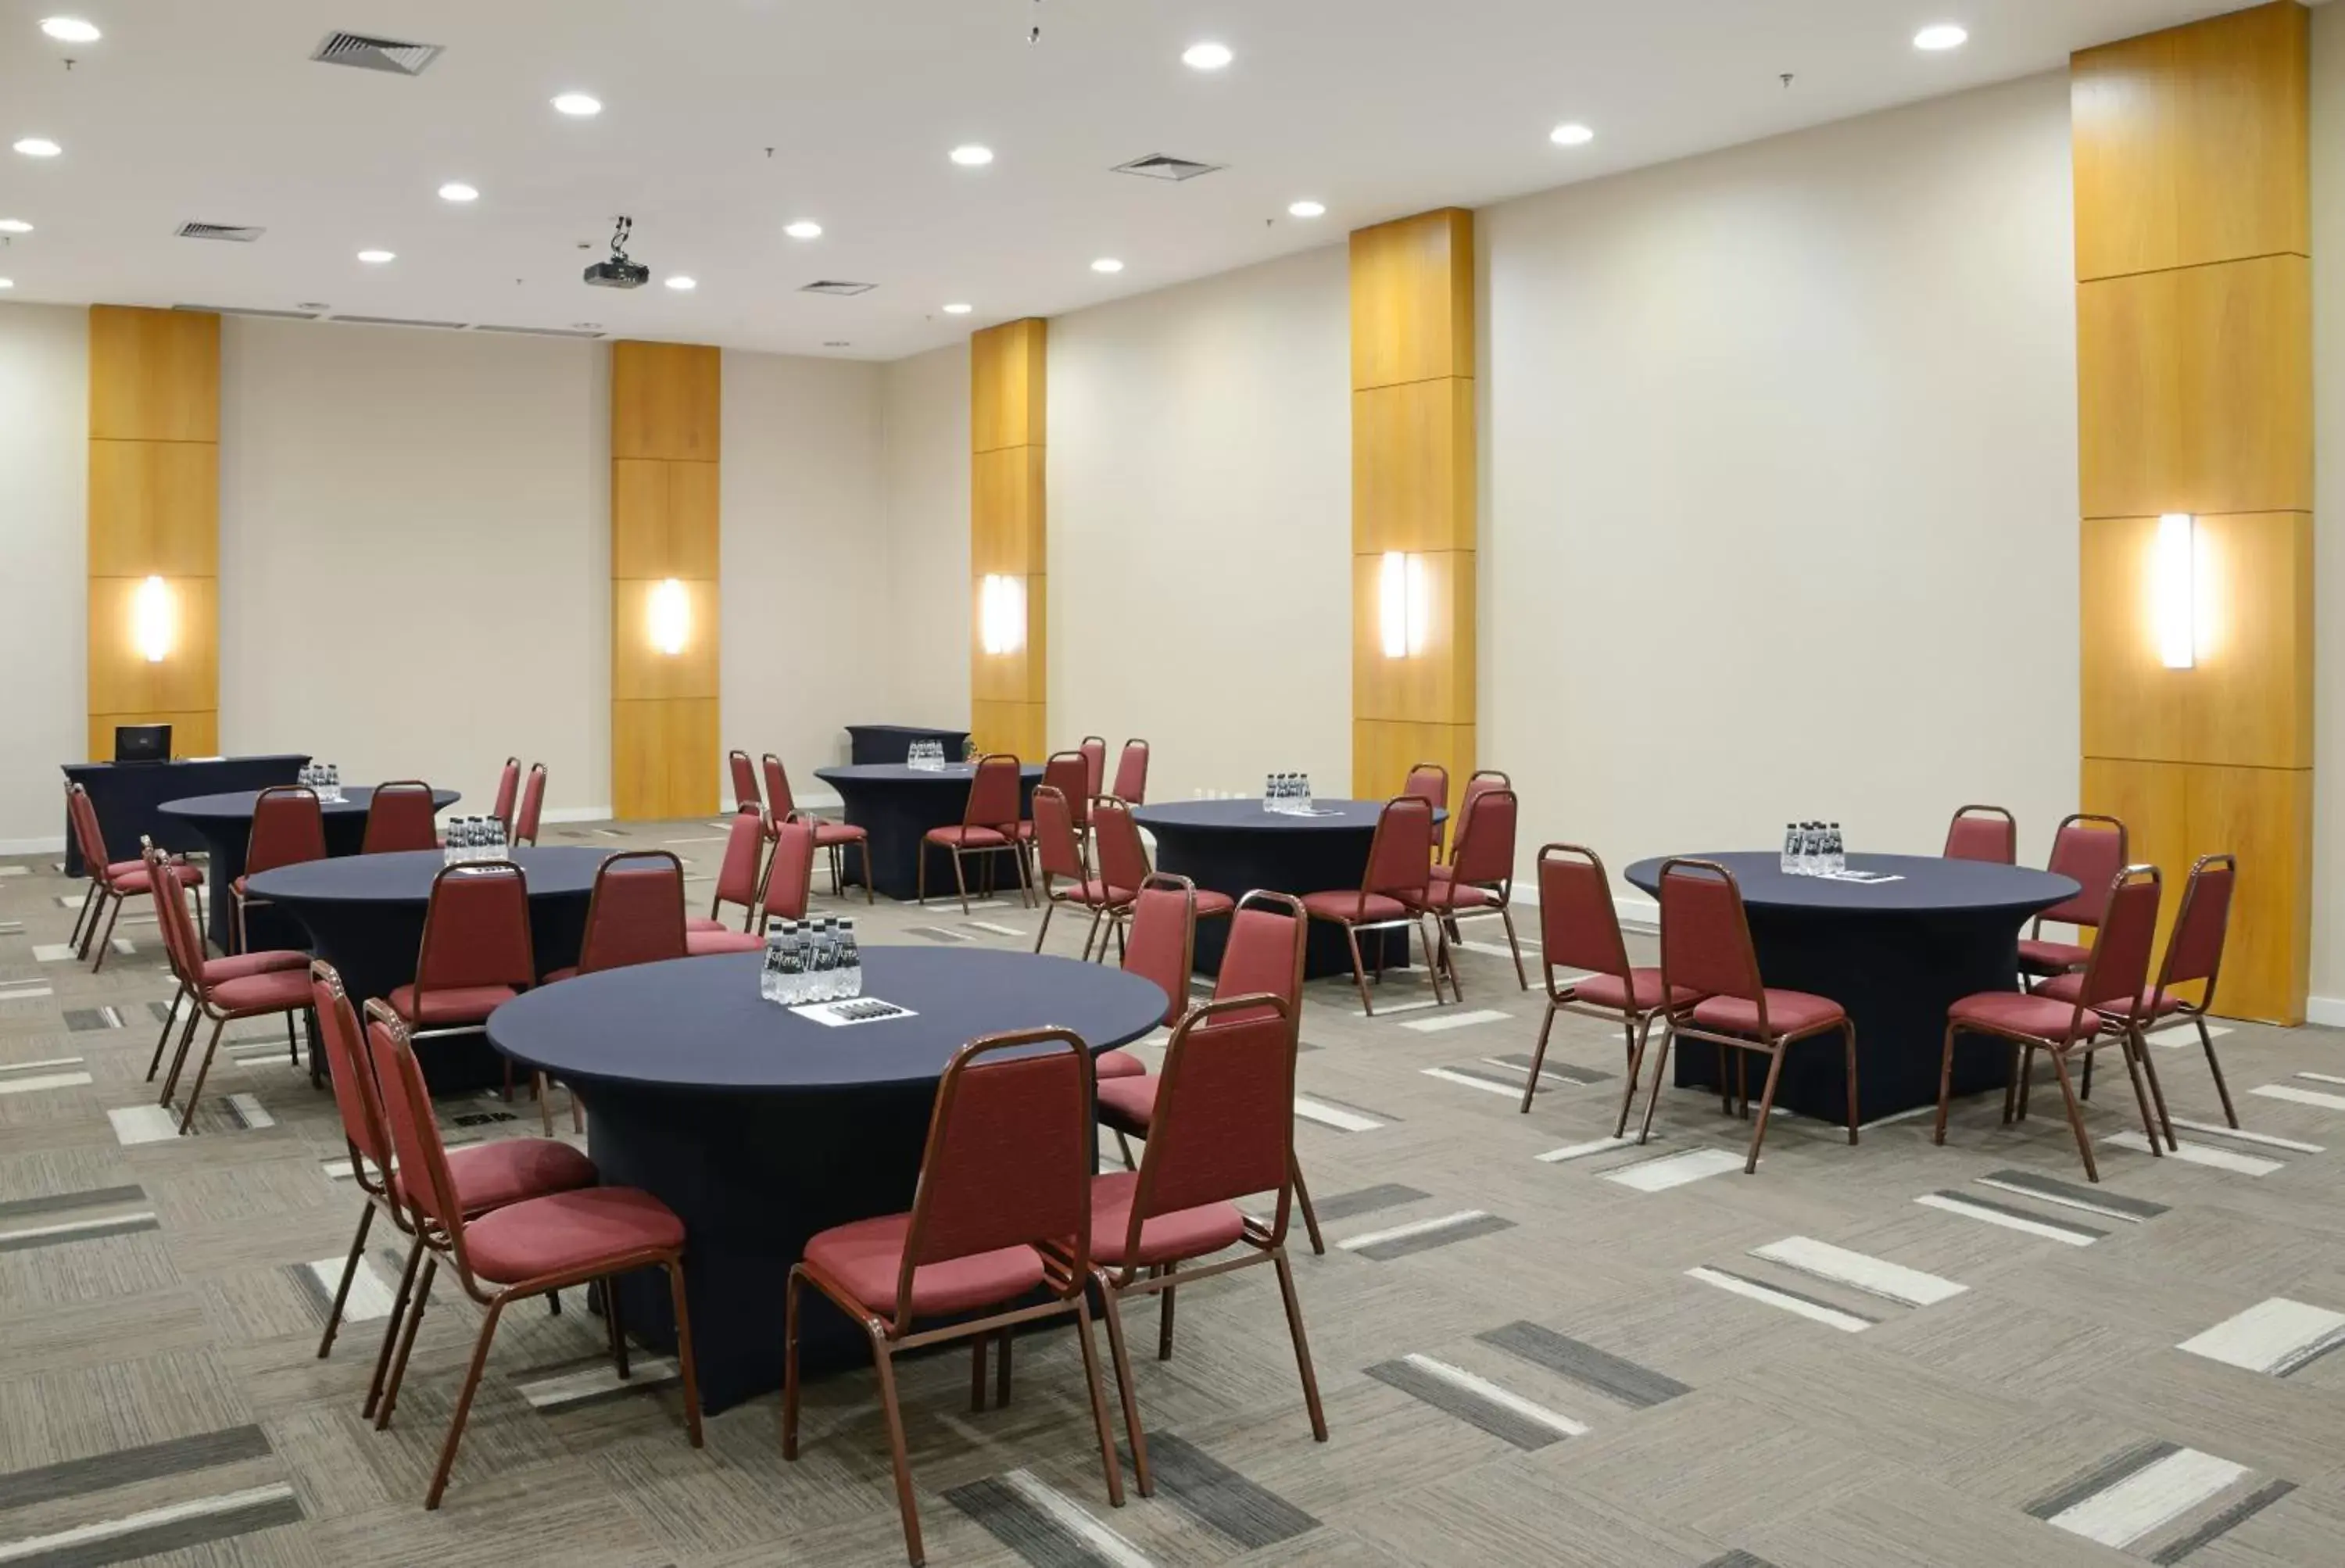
(1413,495)
(154,513)
(667,420)
(1009,534)
(2194,390)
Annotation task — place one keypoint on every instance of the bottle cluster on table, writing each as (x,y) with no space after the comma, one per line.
(471,839)
(811,961)
(926,754)
(1813,850)
(325,778)
(1287,792)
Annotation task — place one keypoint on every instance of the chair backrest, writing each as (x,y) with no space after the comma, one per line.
(1400,857)
(400,817)
(344,1042)
(993,792)
(1123,858)
(738,873)
(1163,942)
(636,913)
(2194,950)
(476,929)
(2118,971)
(745,779)
(1269,935)
(1008,1157)
(83,816)
(1429,782)
(1071,776)
(779,801)
(1223,1123)
(2091,850)
(287,829)
(1579,926)
(1705,935)
(183,943)
(533,805)
(1131,773)
(1987,833)
(1478,783)
(508,788)
(1485,850)
(1060,852)
(1094,750)
(425,1184)
(789,873)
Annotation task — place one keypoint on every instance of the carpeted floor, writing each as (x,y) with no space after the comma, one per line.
(1536,1346)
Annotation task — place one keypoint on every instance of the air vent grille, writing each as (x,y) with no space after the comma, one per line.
(236,233)
(369,53)
(1165,166)
(834,286)
(250,310)
(543,331)
(399,321)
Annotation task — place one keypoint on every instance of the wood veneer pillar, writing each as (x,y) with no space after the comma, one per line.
(2194,390)
(1008,533)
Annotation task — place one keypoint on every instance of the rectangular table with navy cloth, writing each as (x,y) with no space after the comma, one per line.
(127,795)
(893,742)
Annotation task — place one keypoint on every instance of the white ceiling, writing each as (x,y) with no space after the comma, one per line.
(214,112)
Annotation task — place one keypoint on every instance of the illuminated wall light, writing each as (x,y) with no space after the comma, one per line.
(1403,604)
(671,617)
(154,619)
(1001,615)
(2175,590)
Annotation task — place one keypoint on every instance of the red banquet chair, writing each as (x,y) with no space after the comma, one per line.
(487,1175)
(532,806)
(1429,782)
(248,985)
(1122,866)
(475,955)
(832,838)
(1162,949)
(1131,773)
(784,894)
(1059,857)
(634,915)
(2089,850)
(1399,870)
(533,1246)
(1987,833)
(1069,773)
(1479,880)
(1094,753)
(289,828)
(989,826)
(745,780)
(737,875)
(1706,949)
(508,789)
(1579,933)
(112,883)
(1002,1211)
(401,817)
(2109,1005)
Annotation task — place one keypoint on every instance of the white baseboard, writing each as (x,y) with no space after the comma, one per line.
(51,846)
(2325,1010)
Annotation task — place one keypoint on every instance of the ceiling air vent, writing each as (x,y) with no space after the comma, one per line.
(399,321)
(376,53)
(834,286)
(1163,166)
(250,310)
(544,331)
(235,233)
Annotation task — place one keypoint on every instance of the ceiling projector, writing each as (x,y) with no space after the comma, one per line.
(619,272)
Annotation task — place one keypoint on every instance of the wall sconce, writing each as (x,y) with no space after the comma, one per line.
(2178,575)
(1404,604)
(154,619)
(1001,615)
(671,617)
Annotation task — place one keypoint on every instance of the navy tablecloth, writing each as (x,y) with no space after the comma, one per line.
(223,821)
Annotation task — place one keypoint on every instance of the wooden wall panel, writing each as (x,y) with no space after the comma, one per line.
(1436,687)
(1017,728)
(194,733)
(1384,750)
(154,375)
(1009,368)
(1009,531)
(664,759)
(664,519)
(690,674)
(2192,145)
(667,402)
(1414,480)
(1009,520)
(154,507)
(1413,300)
(121,681)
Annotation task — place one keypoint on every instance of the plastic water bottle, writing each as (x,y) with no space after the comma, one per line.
(789,963)
(1835,850)
(1812,849)
(850,962)
(769,973)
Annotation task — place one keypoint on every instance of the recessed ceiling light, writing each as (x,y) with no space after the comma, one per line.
(15,226)
(1307,209)
(38,147)
(580,106)
(377,258)
(1206,57)
(1107,264)
(971,155)
(1941,35)
(1571,135)
(804,228)
(957,309)
(681,283)
(71,30)
(457,190)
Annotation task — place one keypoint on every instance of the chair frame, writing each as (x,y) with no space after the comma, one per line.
(423,951)
(1112,915)
(396,788)
(541,1081)
(830,838)
(2036,926)
(1634,1023)
(1358,921)
(508,794)
(1123,757)
(1979,811)
(1009,832)
(2197,1011)
(745,780)
(103,897)
(531,812)
(192,986)
(1043,878)
(1448,921)
(241,903)
(766,836)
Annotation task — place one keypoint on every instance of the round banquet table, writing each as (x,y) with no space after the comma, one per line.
(1895,955)
(761,1128)
(1236,846)
(897,804)
(225,822)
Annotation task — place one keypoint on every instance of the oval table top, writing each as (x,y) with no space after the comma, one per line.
(1252,816)
(903,773)
(699,1023)
(1927,885)
(558,870)
(236,804)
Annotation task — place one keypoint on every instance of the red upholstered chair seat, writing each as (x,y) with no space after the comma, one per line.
(864,1259)
(1096,892)
(828,833)
(1118,1065)
(709,943)
(1211,905)
(702,922)
(1167,1239)
(245,966)
(2063,988)
(1442,897)
(457,1005)
(967,838)
(2018,1012)
(131,876)
(566,1231)
(1788,1013)
(1345,904)
(275,991)
(491,1175)
(1642,994)
(2037,957)
(1128,1104)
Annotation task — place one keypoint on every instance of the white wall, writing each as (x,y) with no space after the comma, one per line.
(44,480)
(1200,497)
(924,445)
(2327,1004)
(415,555)
(1779,487)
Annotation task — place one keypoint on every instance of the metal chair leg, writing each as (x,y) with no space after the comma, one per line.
(2075,1116)
(1303,1201)
(1111,1308)
(350,1272)
(464,1404)
(2222,1091)
(1302,1344)
(1539,1058)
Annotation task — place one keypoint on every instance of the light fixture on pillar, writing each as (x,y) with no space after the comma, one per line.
(1403,604)
(1001,613)
(154,619)
(2176,588)
(671,617)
